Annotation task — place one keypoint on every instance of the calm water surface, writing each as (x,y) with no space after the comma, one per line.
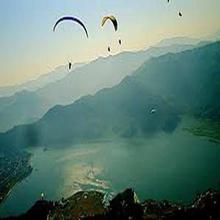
(168,166)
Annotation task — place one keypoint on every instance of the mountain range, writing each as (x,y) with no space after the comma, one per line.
(33,99)
(150,100)
(43,80)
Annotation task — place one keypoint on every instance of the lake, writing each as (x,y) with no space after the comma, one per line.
(167,166)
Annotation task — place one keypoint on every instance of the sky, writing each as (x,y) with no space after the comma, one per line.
(29,47)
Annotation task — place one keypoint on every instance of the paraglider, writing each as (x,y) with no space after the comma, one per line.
(115,25)
(70,65)
(153,111)
(180,14)
(112,19)
(69,18)
(75,20)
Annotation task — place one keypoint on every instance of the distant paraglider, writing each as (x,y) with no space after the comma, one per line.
(153,111)
(69,18)
(70,65)
(115,25)
(180,14)
(75,20)
(112,19)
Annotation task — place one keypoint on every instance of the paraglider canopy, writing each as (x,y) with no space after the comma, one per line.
(69,18)
(112,19)
(152,111)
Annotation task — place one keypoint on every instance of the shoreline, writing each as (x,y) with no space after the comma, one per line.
(26,171)
(206,128)
(12,186)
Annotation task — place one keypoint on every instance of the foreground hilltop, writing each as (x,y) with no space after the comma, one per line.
(124,206)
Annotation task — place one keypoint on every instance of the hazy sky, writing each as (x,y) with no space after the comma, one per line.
(28,47)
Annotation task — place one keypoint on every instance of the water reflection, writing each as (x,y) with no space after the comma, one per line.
(167,166)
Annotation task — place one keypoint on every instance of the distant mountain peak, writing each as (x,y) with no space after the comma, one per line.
(178,40)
